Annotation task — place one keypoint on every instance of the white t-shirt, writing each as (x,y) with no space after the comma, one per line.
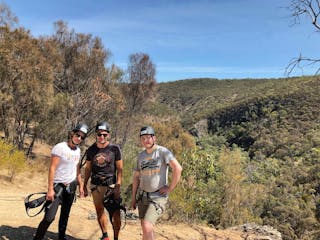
(66,171)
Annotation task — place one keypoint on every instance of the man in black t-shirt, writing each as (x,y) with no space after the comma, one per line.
(104,165)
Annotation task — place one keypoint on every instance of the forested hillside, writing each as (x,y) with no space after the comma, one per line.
(275,125)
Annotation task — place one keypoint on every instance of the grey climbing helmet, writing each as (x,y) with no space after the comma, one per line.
(147,130)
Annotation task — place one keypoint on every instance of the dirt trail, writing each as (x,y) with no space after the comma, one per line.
(15,224)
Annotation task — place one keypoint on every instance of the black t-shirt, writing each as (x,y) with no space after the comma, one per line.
(103,162)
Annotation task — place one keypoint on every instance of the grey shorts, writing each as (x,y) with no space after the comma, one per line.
(150,207)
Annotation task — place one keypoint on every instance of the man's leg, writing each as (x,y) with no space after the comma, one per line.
(116,220)
(97,196)
(149,212)
(147,230)
(146,215)
(102,217)
(50,213)
(66,205)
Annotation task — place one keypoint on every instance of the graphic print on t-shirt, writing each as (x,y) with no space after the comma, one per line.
(150,166)
(102,159)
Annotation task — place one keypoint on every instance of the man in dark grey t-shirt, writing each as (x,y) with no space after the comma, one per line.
(150,187)
(104,166)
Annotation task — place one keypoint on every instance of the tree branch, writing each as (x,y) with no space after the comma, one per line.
(300,8)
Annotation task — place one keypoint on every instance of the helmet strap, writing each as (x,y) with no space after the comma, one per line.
(72,142)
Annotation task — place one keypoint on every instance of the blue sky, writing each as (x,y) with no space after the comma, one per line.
(224,39)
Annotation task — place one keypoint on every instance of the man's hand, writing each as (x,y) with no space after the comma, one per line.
(81,192)
(164,190)
(117,191)
(85,191)
(50,195)
(133,204)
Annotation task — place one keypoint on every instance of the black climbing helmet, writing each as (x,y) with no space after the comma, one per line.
(82,128)
(147,130)
(103,126)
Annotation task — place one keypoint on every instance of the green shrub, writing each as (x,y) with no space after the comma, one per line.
(11,159)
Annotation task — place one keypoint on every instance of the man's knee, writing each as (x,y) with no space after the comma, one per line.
(99,209)
(147,226)
(116,226)
(49,218)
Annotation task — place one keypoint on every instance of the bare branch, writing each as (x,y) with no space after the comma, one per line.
(7,18)
(302,62)
(311,8)
(300,8)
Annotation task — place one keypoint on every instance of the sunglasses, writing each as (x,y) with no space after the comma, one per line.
(102,134)
(78,135)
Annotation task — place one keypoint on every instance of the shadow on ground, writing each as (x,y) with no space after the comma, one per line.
(26,233)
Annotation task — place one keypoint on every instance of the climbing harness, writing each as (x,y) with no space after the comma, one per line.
(29,204)
(148,195)
(111,204)
(37,202)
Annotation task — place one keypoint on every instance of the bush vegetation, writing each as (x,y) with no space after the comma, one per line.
(272,126)
(11,159)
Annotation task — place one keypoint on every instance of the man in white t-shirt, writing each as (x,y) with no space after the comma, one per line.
(150,187)
(64,176)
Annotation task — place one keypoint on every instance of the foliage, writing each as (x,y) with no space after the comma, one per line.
(170,134)
(198,178)
(79,89)
(139,90)
(25,72)
(276,123)
(239,197)
(232,200)
(11,159)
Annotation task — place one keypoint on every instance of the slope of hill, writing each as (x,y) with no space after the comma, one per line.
(276,122)
(248,111)
(196,99)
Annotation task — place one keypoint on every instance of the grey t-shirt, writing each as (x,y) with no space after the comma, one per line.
(153,168)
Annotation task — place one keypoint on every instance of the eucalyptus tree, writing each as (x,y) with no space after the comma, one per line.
(139,90)
(25,81)
(81,82)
